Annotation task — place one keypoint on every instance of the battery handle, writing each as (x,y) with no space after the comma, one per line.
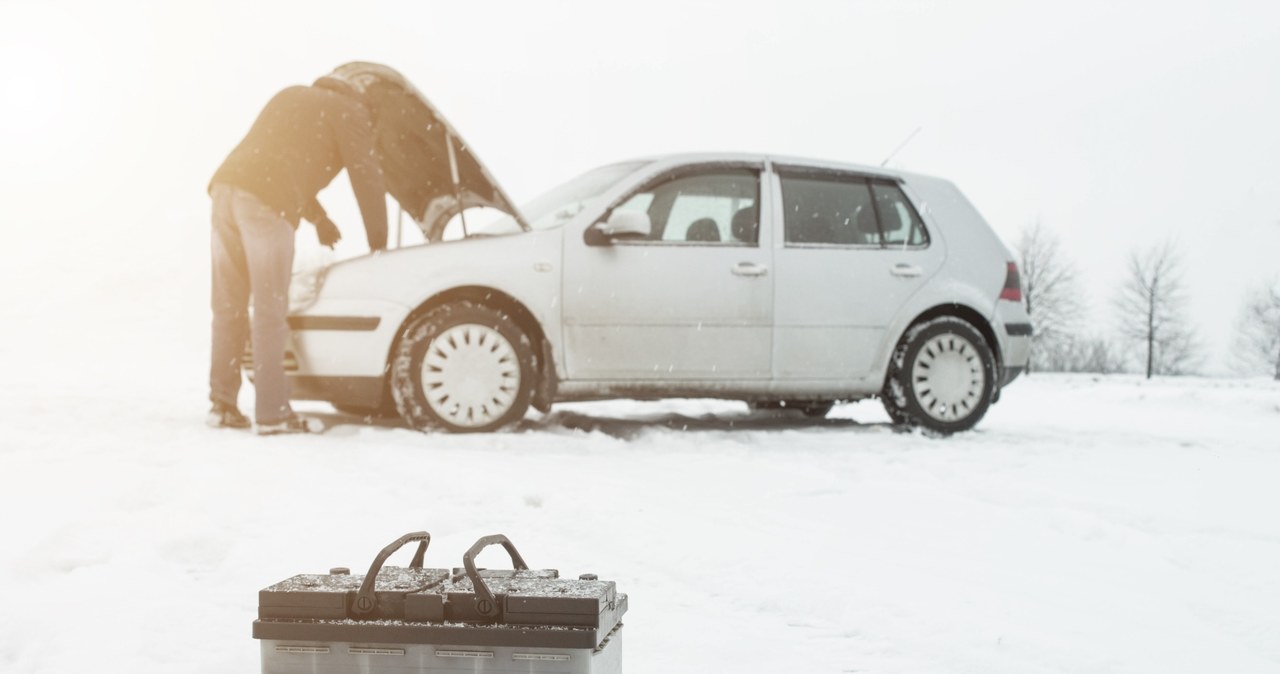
(485,603)
(366,600)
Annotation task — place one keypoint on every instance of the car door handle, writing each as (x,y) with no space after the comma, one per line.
(750,269)
(906,270)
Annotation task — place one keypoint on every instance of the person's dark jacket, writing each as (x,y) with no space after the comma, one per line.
(300,141)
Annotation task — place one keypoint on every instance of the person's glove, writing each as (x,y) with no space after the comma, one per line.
(328,233)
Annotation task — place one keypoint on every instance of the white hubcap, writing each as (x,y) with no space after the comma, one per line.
(470,375)
(948,377)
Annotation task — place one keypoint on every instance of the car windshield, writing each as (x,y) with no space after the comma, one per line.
(557,206)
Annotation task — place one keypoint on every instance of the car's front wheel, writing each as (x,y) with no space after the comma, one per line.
(940,377)
(463,367)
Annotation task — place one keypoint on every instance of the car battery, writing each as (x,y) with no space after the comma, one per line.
(416,619)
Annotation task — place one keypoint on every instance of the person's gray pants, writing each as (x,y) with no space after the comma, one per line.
(252,257)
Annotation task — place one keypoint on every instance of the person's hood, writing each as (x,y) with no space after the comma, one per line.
(428,168)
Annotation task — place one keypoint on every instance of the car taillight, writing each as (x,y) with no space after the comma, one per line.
(1012,290)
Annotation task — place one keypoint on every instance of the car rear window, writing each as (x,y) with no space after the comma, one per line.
(847,210)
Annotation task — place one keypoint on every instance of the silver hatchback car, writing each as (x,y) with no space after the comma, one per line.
(779,281)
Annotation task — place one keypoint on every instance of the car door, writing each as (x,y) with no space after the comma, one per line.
(853,250)
(692,300)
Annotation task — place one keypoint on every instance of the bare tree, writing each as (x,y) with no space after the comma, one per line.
(1083,353)
(1257,342)
(1051,290)
(1151,305)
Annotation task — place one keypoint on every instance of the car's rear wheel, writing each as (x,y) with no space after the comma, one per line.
(463,367)
(894,400)
(941,377)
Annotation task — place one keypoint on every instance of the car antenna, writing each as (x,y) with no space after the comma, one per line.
(901,145)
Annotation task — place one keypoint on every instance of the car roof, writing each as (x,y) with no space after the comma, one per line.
(713,157)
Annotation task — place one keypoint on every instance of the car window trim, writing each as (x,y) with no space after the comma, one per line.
(801,170)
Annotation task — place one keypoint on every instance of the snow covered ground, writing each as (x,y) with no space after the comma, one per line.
(1105,525)
(1088,525)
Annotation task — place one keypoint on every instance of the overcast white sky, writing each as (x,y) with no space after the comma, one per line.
(1119,124)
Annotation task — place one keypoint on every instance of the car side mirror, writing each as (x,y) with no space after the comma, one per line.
(620,225)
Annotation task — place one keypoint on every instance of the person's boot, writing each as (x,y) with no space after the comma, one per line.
(222,415)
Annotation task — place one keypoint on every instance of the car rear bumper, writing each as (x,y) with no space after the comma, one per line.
(1010,373)
(1013,329)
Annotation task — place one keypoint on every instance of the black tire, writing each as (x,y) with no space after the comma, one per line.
(816,409)
(462,367)
(941,377)
(893,399)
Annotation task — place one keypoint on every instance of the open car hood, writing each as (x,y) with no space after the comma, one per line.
(427,166)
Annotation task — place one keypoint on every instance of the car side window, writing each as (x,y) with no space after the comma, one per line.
(828,210)
(715,207)
(899,220)
(848,210)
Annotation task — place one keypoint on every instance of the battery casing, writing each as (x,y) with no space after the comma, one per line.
(423,620)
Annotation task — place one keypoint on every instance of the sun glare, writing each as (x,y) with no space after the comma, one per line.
(43,88)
